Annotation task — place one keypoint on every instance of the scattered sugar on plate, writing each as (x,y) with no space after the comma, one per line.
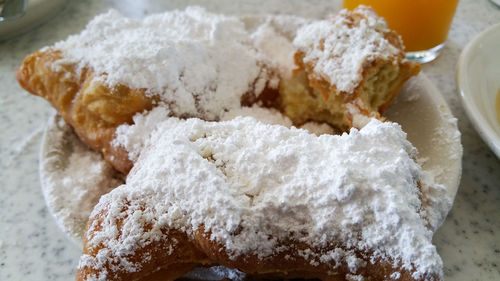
(195,30)
(73,178)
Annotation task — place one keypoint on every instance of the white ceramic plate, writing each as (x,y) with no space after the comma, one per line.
(419,108)
(426,118)
(73,178)
(478,79)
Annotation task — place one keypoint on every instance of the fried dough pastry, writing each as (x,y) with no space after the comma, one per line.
(196,73)
(350,67)
(96,97)
(92,108)
(266,200)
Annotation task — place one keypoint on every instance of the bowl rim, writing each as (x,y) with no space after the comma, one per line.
(477,118)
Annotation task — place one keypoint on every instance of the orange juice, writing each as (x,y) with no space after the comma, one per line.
(423,24)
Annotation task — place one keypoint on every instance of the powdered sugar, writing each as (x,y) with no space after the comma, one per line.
(132,137)
(337,48)
(437,199)
(318,128)
(197,62)
(395,275)
(73,178)
(270,181)
(138,136)
(359,120)
(434,199)
(265,115)
(274,40)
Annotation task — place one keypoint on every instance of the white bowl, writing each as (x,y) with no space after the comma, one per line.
(478,79)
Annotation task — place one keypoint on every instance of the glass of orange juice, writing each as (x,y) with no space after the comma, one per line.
(423,24)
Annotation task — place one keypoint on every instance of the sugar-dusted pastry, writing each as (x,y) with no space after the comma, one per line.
(196,63)
(92,107)
(267,200)
(202,65)
(350,67)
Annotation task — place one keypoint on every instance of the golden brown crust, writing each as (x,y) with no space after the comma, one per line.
(93,109)
(309,95)
(406,69)
(159,262)
(166,259)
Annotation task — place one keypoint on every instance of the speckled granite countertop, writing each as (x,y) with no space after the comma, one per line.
(33,248)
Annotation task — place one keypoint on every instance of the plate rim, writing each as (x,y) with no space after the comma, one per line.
(432,92)
(51,128)
(437,97)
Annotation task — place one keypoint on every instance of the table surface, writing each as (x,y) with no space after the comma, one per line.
(33,248)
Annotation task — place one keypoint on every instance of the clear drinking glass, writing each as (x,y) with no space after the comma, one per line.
(423,24)
(12,9)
